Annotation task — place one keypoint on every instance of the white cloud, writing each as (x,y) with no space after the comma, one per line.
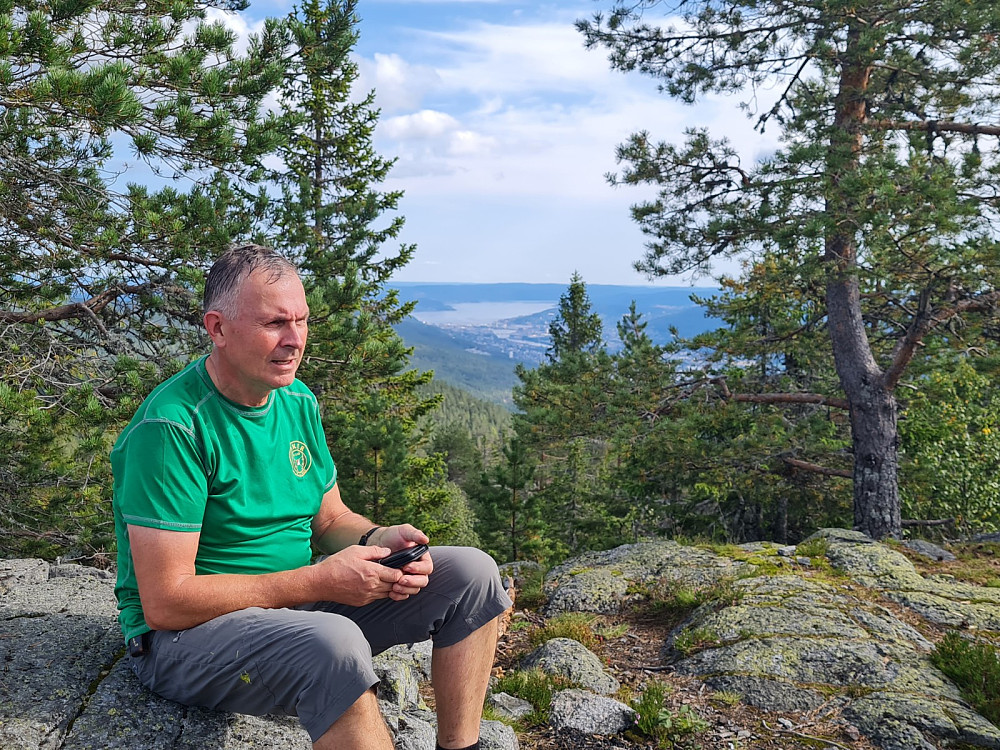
(518,58)
(467,143)
(421,125)
(523,109)
(400,85)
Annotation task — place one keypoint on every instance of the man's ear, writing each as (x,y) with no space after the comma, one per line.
(213,324)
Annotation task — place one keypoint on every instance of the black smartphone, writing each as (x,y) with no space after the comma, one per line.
(404,556)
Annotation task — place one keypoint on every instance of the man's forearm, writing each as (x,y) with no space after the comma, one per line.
(193,599)
(336,526)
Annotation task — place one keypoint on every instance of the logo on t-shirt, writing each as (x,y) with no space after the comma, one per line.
(298,454)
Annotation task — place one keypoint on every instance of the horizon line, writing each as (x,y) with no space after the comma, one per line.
(554,283)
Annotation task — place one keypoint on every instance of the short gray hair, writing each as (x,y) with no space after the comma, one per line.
(226,277)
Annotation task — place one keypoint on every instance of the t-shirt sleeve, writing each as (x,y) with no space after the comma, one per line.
(163,482)
(319,436)
(328,464)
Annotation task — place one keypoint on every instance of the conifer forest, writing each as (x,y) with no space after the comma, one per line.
(851,382)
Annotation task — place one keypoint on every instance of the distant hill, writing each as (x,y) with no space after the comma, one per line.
(661,307)
(468,335)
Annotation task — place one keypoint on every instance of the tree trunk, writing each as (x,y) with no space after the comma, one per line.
(869,395)
(876,461)
(872,411)
(781,527)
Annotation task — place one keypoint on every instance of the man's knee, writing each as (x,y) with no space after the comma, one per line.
(469,580)
(472,568)
(338,674)
(332,640)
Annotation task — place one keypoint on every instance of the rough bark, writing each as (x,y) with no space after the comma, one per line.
(872,405)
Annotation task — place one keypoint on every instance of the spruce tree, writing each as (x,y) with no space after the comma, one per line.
(562,404)
(334,219)
(509,515)
(576,329)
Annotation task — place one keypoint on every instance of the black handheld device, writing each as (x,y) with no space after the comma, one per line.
(404,556)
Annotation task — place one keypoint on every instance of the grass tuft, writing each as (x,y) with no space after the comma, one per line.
(669,729)
(818,547)
(974,668)
(671,601)
(576,625)
(690,640)
(534,686)
(727,697)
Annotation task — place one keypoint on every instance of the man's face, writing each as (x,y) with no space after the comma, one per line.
(260,349)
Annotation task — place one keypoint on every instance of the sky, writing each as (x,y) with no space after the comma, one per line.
(503,127)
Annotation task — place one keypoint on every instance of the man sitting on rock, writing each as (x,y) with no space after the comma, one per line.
(222,482)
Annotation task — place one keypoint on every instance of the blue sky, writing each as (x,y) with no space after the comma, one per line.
(503,127)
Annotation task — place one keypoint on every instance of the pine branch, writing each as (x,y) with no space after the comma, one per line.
(935,126)
(816,468)
(935,522)
(925,321)
(781,398)
(73,310)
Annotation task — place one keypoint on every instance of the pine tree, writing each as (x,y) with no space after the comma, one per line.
(880,193)
(131,137)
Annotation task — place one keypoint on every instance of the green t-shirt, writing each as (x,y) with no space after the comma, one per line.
(249,480)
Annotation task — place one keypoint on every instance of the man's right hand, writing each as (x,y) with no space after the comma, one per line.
(355,577)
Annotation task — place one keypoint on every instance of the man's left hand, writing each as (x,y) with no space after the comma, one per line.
(415,573)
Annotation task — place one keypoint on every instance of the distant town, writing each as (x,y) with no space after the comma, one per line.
(473,335)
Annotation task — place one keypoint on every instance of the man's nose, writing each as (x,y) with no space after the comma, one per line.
(295,336)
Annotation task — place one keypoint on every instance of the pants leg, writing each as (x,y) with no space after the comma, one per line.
(313,665)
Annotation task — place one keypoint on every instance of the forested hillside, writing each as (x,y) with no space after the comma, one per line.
(486,422)
(489,377)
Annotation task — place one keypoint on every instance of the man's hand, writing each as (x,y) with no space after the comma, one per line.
(336,529)
(417,572)
(355,577)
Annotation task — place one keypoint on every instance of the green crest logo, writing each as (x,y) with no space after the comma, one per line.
(300,458)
